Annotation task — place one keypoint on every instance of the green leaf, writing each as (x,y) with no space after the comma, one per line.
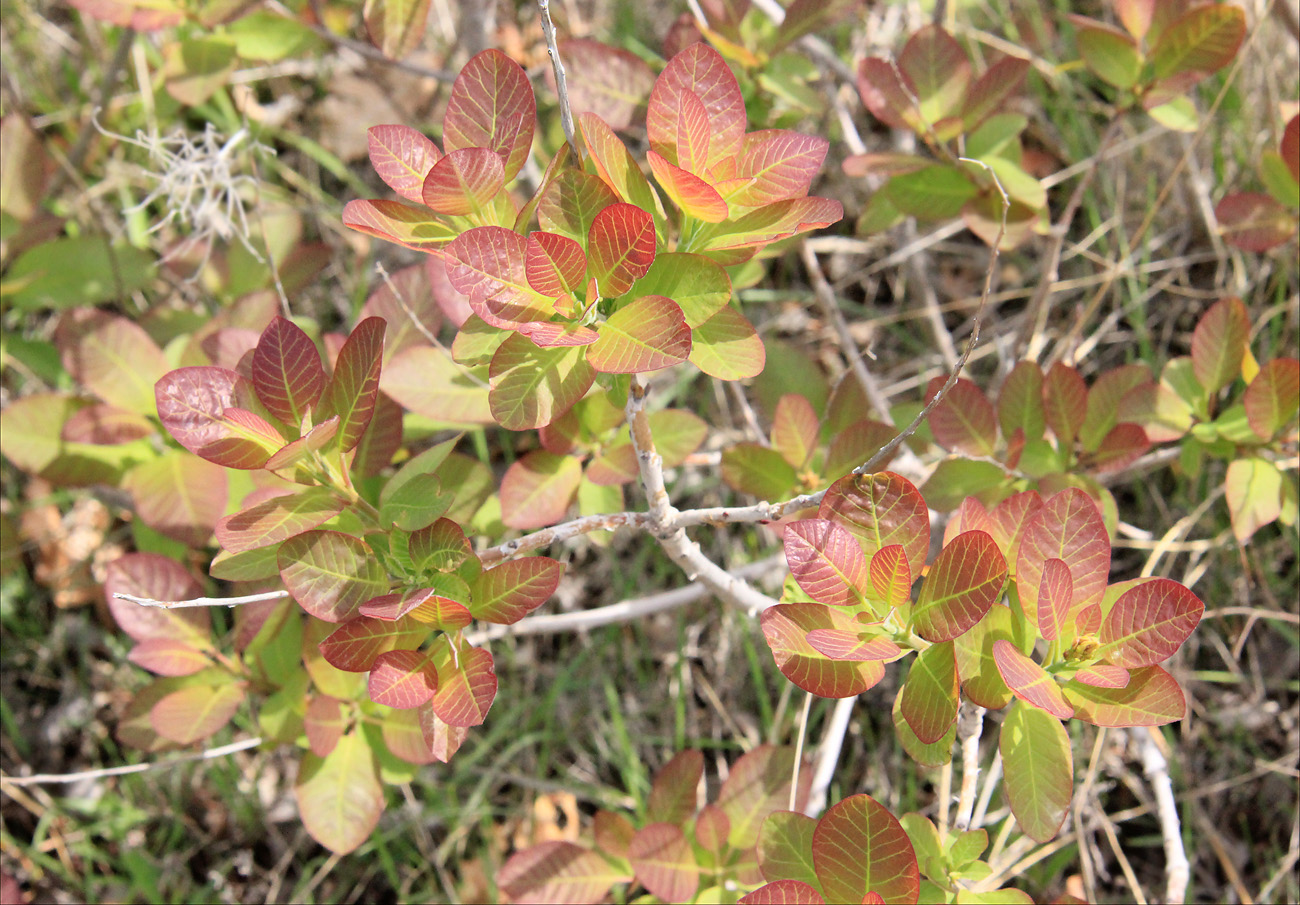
(759,785)
(727,347)
(937,71)
(532,386)
(354,385)
(699,286)
(1201,41)
(981,681)
(1253,489)
(758,470)
(785,847)
(1178,114)
(339,796)
(1276,175)
(1110,53)
(1273,397)
(935,193)
(955,479)
(330,574)
(1038,770)
(195,68)
(72,272)
(268,37)
(965,580)
(508,592)
(649,334)
(929,698)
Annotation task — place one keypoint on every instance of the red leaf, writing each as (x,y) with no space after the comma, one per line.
(324,724)
(663,861)
(1151,698)
(537,490)
(779,165)
(1289,147)
(1273,397)
(699,70)
(441,546)
(646,335)
(422,605)
(965,580)
(200,409)
(999,82)
(620,247)
(693,195)
(105,425)
(1068,527)
(1029,681)
(355,644)
(891,577)
(489,265)
(196,711)
(964,420)
(794,429)
(287,371)
(605,80)
(156,577)
(826,561)
(277,519)
(880,510)
(178,495)
(330,573)
(402,679)
(786,628)
(509,592)
(1122,446)
(1065,402)
(860,848)
(491,106)
(783,892)
(464,182)
(354,385)
(557,872)
(168,657)
(554,264)
(759,785)
(1007,523)
(839,644)
(1055,596)
(886,95)
(937,70)
(616,168)
(467,682)
(673,796)
(1219,344)
(402,157)
(1148,623)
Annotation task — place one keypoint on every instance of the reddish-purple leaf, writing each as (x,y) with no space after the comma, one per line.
(663,861)
(354,385)
(727,347)
(404,737)
(105,425)
(1148,623)
(1065,402)
(620,247)
(891,576)
(532,386)
(778,165)
(277,519)
(324,723)
(988,92)
(1102,675)
(559,873)
(491,106)
(1055,597)
(880,510)
(1200,41)
(965,580)
(860,848)
(155,577)
(537,489)
(1039,771)
(783,892)
(605,81)
(841,644)
(826,561)
(620,176)
(414,227)
(699,70)
(674,794)
(1151,698)
(1068,527)
(554,264)
(402,157)
(1007,523)
(1104,397)
(794,429)
(970,516)
(195,712)
(612,833)
(426,380)
(169,657)
(287,371)
(423,606)
(646,335)
(1219,344)
(464,182)
(489,265)
(549,335)
(178,495)
(355,644)
(1029,681)
(402,679)
(1020,401)
(509,592)
(885,94)
(758,785)
(329,573)
(467,682)
(929,698)
(786,627)
(116,360)
(200,407)
(1123,445)
(937,70)
(1273,397)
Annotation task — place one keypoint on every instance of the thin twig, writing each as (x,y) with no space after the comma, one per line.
(562,532)
(828,755)
(561,86)
(369,51)
(1156,768)
(104,773)
(798,748)
(203,601)
(970,725)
